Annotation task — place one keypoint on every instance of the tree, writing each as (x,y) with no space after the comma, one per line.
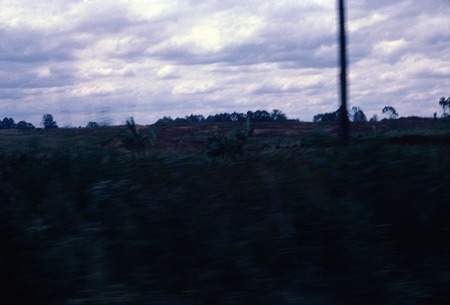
(391,111)
(327,117)
(195,118)
(249,115)
(444,103)
(261,116)
(180,120)
(374,118)
(222,117)
(165,120)
(278,115)
(257,116)
(92,125)
(135,140)
(237,117)
(7,123)
(24,125)
(48,122)
(358,115)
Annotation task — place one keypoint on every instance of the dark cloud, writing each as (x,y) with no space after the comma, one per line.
(29,46)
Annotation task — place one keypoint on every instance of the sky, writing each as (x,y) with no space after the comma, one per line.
(106,61)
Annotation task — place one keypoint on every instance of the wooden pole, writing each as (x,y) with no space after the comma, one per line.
(343,115)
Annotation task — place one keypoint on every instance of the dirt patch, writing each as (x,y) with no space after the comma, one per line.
(194,136)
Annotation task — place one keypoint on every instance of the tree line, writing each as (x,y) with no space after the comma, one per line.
(257,116)
(47,121)
(8,123)
(355,115)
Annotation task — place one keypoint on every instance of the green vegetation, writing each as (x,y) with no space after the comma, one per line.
(257,116)
(229,145)
(136,141)
(48,122)
(10,124)
(85,221)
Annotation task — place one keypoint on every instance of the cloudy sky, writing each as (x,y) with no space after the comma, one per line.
(109,60)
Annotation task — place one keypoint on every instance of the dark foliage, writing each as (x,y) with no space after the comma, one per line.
(444,103)
(374,118)
(391,112)
(308,226)
(48,122)
(327,117)
(231,144)
(165,120)
(92,125)
(7,123)
(10,124)
(24,125)
(257,116)
(358,115)
(136,141)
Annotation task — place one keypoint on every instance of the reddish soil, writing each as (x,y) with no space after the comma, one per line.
(195,135)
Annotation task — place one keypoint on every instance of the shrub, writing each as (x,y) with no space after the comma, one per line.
(231,144)
(135,140)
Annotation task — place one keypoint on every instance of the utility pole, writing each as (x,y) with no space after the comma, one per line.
(345,127)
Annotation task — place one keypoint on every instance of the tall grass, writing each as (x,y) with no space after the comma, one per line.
(366,224)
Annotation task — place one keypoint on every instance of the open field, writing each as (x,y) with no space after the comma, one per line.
(291,218)
(193,136)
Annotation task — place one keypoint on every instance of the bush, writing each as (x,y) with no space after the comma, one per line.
(229,145)
(135,140)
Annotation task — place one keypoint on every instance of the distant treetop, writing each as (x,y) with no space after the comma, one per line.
(48,122)
(257,116)
(92,125)
(391,112)
(10,124)
(356,115)
(444,103)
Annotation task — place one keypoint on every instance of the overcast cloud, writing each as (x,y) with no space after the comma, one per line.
(109,60)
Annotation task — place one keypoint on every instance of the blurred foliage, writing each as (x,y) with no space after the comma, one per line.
(135,140)
(231,144)
(316,224)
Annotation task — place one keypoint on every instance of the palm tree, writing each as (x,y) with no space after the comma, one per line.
(445,103)
(136,141)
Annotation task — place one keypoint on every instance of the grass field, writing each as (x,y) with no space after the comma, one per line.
(290,218)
